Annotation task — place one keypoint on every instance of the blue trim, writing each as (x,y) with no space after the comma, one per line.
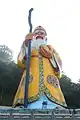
(39,104)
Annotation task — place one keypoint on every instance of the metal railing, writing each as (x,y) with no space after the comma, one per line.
(25,114)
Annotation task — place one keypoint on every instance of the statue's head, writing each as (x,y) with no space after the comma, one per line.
(39,33)
(39,37)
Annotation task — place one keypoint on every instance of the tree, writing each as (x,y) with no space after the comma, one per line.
(9,76)
(6,54)
(71,92)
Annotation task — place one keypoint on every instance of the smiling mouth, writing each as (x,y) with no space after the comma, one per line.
(39,37)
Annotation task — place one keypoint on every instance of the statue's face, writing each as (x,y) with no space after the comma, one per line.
(39,37)
(39,33)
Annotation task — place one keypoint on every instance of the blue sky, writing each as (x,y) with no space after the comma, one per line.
(60,18)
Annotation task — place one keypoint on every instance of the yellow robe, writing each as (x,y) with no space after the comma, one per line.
(43,80)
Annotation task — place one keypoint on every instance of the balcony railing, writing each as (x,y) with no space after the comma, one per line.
(25,114)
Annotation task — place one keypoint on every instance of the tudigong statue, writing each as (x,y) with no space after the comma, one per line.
(45,73)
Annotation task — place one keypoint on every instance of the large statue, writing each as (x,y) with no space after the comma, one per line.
(45,72)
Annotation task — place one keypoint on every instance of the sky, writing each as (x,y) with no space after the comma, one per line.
(60,18)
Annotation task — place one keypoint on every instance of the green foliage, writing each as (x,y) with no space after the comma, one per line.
(9,76)
(71,92)
(5,53)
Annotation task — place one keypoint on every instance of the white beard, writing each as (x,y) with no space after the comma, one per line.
(35,44)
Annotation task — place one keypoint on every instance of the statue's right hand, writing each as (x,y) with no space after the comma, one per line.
(28,37)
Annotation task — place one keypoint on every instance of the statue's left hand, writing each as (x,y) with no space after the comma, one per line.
(46,51)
